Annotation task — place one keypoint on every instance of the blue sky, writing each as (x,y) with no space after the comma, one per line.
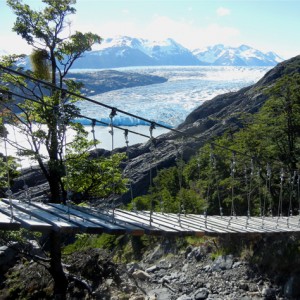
(267,25)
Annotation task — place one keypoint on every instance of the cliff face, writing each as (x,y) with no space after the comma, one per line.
(210,119)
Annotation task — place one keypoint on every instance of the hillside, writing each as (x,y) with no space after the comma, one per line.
(97,82)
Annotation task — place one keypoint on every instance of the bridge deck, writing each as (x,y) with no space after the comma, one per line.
(41,217)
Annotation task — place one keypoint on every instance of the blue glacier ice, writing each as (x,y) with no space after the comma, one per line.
(169,103)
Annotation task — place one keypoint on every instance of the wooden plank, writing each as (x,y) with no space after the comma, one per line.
(223,227)
(139,218)
(183,223)
(266,225)
(58,224)
(26,220)
(236,224)
(66,214)
(160,223)
(185,226)
(295,221)
(274,223)
(140,222)
(251,225)
(106,226)
(108,217)
(8,223)
(203,225)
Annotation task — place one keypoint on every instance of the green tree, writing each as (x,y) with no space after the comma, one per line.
(55,51)
(268,138)
(8,164)
(92,176)
(281,119)
(45,120)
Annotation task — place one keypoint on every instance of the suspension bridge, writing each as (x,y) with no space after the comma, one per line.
(46,217)
(15,214)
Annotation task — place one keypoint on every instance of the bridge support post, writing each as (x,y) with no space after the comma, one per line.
(56,269)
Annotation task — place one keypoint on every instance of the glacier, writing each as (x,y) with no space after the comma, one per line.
(169,103)
(166,103)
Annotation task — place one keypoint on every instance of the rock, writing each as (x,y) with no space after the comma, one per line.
(201,294)
(7,257)
(166,279)
(198,254)
(236,264)
(292,287)
(109,281)
(223,262)
(131,267)
(142,275)
(128,288)
(268,293)
(194,253)
(137,297)
(207,268)
(151,269)
(185,267)
(175,275)
(160,294)
(156,254)
(163,264)
(188,250)
(243,285)
(184,297)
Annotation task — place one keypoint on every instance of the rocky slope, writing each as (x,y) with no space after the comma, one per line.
(168,270)
(210,119)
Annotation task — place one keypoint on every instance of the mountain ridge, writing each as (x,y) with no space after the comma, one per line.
(126,51)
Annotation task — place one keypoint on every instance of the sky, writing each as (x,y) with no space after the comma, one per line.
(266,25)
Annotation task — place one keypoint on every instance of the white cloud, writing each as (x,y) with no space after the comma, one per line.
(14,44)
(222,11)
(188,34)
(184,32)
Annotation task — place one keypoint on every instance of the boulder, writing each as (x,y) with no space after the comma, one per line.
(140,274)
(224,262)
(201,294)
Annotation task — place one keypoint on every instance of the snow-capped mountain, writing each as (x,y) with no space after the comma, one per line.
(126,51)
(220,55)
